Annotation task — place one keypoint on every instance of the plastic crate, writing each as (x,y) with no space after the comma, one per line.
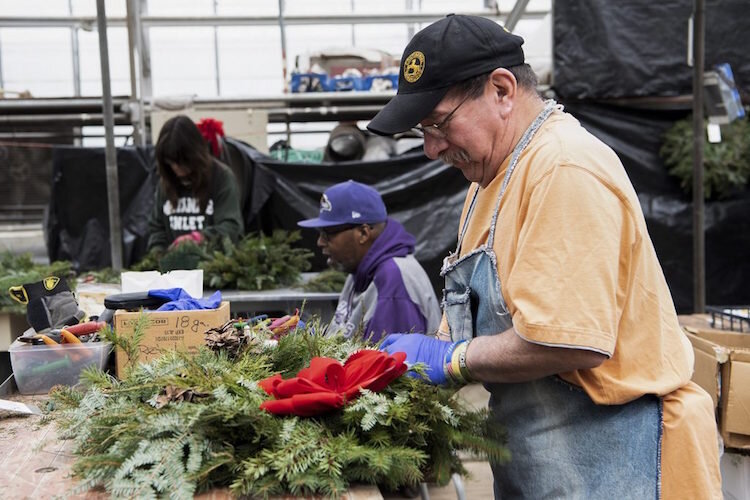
(346,83)
(381,82)
(732,318)
(310,82)
(37,368)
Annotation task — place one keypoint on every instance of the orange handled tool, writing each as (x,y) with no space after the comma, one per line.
(86,328)
(68,337)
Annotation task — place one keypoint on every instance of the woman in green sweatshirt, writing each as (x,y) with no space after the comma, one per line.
(197,197)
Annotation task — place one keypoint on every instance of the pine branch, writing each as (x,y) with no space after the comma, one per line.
(195,421)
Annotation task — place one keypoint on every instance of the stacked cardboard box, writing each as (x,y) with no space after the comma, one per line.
(722,367)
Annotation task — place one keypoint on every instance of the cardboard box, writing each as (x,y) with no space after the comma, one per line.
(168,330)
(12,325)
(722,368)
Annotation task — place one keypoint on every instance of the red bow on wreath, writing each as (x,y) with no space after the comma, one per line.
(327,384)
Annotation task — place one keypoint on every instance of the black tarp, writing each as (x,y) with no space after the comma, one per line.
(636,136)
(77,226)
(628,48)
(426,196)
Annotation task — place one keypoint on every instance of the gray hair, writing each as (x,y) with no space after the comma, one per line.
(473,87)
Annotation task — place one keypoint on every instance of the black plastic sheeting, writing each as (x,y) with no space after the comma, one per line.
(425,196)
(606,49)
(636,136)
(77,225)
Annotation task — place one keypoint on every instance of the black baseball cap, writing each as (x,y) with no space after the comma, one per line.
(444,53)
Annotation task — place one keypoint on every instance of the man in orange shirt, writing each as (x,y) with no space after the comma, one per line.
(554,298)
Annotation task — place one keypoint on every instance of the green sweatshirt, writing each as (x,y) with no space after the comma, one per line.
(222,216)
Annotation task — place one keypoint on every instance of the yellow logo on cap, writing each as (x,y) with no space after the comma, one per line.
(51,282)
(414,66)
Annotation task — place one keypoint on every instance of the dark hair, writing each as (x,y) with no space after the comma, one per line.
(181,142)
(473,87)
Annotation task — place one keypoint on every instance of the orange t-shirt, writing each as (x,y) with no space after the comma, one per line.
(578,269)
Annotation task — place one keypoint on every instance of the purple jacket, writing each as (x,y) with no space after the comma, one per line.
(389,292)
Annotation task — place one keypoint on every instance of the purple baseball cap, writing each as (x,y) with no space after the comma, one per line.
(348,203)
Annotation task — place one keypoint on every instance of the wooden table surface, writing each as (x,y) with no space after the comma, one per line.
(35,464)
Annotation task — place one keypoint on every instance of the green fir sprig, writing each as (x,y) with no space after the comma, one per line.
(726,164)
(135,441)
(257,262)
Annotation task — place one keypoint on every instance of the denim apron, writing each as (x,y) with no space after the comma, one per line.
(562,444)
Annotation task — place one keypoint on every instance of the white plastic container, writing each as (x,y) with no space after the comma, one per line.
(37,368)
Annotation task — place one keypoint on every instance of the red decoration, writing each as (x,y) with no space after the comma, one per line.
(212,130)
(327,384)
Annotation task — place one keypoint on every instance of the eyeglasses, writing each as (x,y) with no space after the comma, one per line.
(326,233)
(438,130)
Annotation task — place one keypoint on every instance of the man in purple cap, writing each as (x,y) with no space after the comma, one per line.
(387,290)
(554,297)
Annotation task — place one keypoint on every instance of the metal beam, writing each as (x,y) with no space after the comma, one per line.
(1,65)
(144,49)
(216,51)
(113,185)
(136,104)
(75,54)
(282,32)
(79,119)
(62,104)
(515,15)
(699,235)
(88,23)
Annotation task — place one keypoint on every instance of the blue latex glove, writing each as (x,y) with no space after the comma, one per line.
(180,300)
(421,349)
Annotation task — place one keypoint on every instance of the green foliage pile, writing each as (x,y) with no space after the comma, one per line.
(329,280)
(106,275)
(149,262)
(726,164)
(19,269)
(142,437)
(257,262)
(188,255)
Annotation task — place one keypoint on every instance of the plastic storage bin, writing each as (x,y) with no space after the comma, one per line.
(39,367)
(380,83)
(344,83)
(310,82)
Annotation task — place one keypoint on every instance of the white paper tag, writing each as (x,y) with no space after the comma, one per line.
(714,133)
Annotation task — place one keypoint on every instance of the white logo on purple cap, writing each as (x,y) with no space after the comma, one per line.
(325,204)
(356,215)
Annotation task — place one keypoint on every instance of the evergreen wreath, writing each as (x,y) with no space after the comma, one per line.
(182,424)
(256,262)
(726,165)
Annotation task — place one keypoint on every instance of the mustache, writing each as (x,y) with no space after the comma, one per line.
(453,157)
